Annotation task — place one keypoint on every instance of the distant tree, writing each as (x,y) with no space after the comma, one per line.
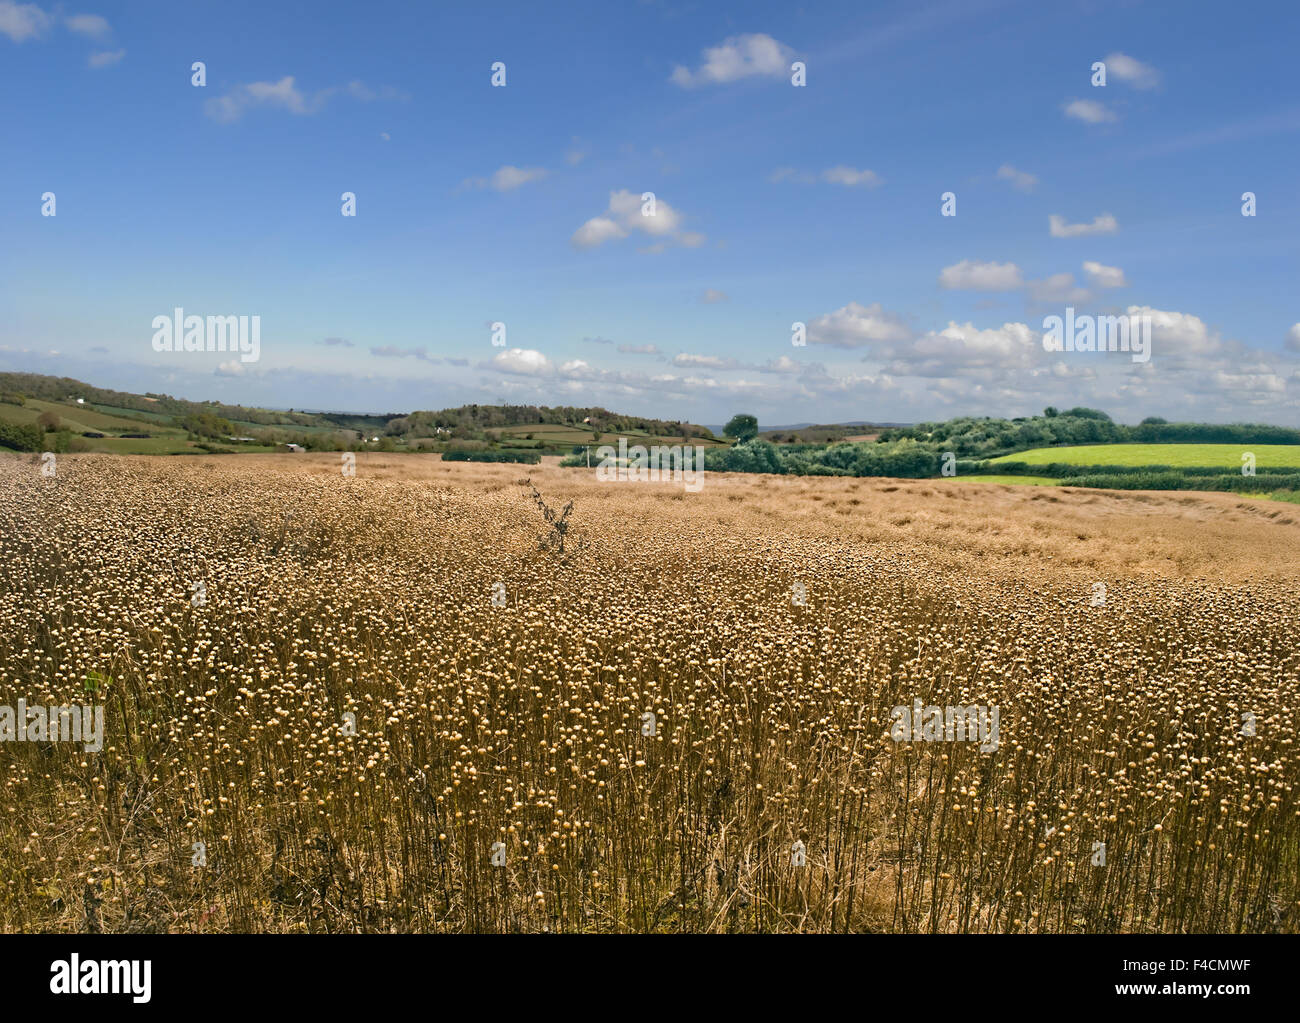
(1154,421)
(48,421)
(1051,412)
(1080,412)
(742,427)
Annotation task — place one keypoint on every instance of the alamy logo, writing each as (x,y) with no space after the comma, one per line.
(53,724)
(132,977)
(181,333)
(656,464)
(946,724)
(1098,334)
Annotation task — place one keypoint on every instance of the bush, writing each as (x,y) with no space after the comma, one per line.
(22,438)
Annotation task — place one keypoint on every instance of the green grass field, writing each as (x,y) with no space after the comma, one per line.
(164,440)
(1173,455)
(77,418)
(1033,481)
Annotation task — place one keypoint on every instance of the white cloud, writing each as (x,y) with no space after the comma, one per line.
(790,174)
(1020,180)
(842,175)
(1058,288)
(963,346)
(233,368)
(784,365)
(1103,224)
(624,216)
(286,95)
(22,21)
(1089,111)
(742,56)
(88,25)
(1293,338)
(1127,69)
(105,58)
(971,276)
(707,361)
(838,175)
(523,362)
(1184,333)
(507,178)
(596,231)
(639,349)
(855,325)
(712,296)
(1105,276)
(363,92)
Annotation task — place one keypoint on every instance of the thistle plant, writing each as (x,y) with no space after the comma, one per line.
(559,523)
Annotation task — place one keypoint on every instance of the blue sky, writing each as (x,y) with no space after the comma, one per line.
(774,203)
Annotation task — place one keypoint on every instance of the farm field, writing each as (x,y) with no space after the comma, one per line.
(80,418)
(389,703)
(1032,481)
(568,436)
(1174,455)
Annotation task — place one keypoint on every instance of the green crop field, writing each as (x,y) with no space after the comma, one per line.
(1034,481)
(1172,455)
(77,418)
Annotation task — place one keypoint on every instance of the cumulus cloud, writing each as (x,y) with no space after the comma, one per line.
(1103,224)
(507,178)
(1177,333)
(855,325)
(1293,338)
(1104,276)
(712,296)
(969,275)
(1089,111)
(624,215)
(1020,180)
(23,21)
(743,56)
(523,362)
(639,349)
(1134,72)
(596,231)
(963,347)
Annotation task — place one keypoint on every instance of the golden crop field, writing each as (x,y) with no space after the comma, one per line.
(383,703)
